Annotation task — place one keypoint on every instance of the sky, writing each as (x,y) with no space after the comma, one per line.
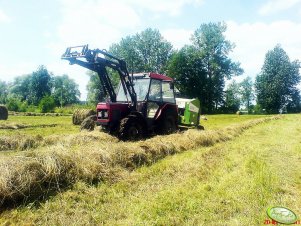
(34,33)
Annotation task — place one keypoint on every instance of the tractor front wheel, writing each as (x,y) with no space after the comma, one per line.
(130,129)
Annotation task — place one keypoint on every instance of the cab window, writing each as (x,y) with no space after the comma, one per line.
(167,92)
(155,92)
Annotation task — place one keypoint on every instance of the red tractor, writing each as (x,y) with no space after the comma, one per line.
(143,104)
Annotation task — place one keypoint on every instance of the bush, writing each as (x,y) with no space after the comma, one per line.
(13,104)
(47,104)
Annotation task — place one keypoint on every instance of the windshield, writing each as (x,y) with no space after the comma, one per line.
(141,86)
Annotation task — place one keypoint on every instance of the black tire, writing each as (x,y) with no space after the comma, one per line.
(167,125)
(130,129)
(199,127)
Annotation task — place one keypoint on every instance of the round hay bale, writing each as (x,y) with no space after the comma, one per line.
(239,113)
(79,115)
(88,123)
(3,113)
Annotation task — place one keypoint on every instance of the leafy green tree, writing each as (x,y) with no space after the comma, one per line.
(147,51)
(232,98)
(276,85)
(246,91)
(201,69)
(214,50)
(3,92)
(95,89)
(65,91)
(40,85)
(186,67)
(20,88)
(127,50)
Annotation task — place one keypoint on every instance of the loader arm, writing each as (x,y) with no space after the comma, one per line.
(92,60)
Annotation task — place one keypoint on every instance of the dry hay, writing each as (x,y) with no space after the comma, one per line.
(80,115)
(36,114)
(19,142)
(3,113)
(23,142)
(17,126)
(88,123)
(35,173)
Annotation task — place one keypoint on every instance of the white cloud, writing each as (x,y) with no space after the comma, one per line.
(178,37)
(8,72)
(253,41)
(274,6)
(3,17)
(97,22)
(171,7)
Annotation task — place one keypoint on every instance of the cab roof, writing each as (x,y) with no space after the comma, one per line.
(154,76)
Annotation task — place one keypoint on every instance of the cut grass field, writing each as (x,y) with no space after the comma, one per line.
(37,125)
(230,183)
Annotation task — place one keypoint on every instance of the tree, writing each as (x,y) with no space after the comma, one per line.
(95,89)
(276,85)
(232,98)
(186,67)
(214,50)
(65,90)
(21,88)
(147,51)
(200,70)
(40,84)
(3,92)
(246,91)
(127,50)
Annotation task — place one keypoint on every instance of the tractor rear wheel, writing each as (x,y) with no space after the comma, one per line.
(167,125)
(130,129)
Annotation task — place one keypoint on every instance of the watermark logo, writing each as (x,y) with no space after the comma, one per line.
(282,215)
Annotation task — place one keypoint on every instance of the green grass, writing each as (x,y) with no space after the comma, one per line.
(220,121)
(40,125)
(231,183)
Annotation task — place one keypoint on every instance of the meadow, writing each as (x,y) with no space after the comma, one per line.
(228,174)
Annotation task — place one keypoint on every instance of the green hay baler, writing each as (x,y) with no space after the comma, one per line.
(189,113)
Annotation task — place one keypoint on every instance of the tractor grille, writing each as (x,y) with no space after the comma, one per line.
(103,114)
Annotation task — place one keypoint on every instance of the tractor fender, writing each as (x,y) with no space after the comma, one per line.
(169,109)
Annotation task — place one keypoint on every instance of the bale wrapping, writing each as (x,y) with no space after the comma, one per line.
(80,115)
(3,113)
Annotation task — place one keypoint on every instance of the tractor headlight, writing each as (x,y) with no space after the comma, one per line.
(106,114)
(103,114)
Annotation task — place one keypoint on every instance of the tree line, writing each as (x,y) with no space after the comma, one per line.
(39,89)
(202,68)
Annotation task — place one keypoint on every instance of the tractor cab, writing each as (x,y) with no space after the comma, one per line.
(149,86)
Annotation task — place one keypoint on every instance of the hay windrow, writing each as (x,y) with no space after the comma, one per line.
(35,173)
(16,126)
(23,142)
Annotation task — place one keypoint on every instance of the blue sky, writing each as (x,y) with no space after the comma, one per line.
(36,32)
